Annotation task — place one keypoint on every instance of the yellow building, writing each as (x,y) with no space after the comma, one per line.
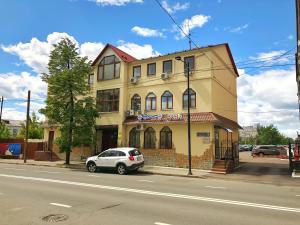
(143,103)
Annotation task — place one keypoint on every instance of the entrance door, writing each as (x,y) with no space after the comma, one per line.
(109,139)
(50,141)
(217,144)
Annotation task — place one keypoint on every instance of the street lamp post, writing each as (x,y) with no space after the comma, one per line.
(188,114)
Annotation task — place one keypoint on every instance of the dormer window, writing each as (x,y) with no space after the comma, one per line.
(109,68)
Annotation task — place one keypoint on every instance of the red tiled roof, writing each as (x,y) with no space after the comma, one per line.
(201,117)
(123,55)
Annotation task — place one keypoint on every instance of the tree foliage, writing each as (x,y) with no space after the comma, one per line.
(68,103)
(4,131)
(270,135)
(35,129)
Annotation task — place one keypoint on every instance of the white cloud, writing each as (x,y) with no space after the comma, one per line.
(238,29)
(115,2)
(138,51)
(146,32)
(189,24)
(272,57)
(269,97)
(14,88)
(36,53)
(13,114)
(176,7)
(91,50)
(14,85)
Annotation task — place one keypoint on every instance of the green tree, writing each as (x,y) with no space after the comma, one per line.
(270,135)
(68,103)
(4,131)
(35,129)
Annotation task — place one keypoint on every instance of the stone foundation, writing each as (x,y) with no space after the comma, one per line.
(169,157)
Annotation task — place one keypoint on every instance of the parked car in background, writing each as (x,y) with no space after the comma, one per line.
(262,150)
(245,148)
(122,160)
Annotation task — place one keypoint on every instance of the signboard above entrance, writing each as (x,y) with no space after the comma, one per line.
(161,117)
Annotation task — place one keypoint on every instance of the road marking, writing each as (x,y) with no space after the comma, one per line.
(16,209)
(215,187)
(44,171)
(154,193)
(159,223)
(61,205)
(149,181)
(297,195)
(1,193)
(92,175)
(13,169)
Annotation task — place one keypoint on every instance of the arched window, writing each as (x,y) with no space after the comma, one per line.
(134,138)
(192,99)
(149,138)
(136,102)
(166,138)
(167,100)
(151,102)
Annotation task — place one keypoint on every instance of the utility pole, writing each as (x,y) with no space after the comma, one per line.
(297,56)
(187,65)
(189,120)
(1,109)
(27,126)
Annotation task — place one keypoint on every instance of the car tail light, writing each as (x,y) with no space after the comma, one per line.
(131,158)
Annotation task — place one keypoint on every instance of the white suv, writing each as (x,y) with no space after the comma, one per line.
(121,159)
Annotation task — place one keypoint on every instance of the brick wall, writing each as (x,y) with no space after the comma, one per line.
(77,154)
(169,157)
(160,157)
(204,161)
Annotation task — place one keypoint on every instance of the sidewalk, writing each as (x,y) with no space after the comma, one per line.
(170,171)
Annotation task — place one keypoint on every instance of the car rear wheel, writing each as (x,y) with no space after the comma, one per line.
(91,167)
(121,169)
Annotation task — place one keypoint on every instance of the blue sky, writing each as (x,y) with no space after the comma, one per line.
(254,29)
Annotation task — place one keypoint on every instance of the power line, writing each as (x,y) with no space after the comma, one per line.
(174,21)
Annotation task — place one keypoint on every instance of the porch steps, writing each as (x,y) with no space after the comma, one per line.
(219,167)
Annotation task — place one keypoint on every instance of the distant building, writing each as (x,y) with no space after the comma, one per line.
(14,126)
(248,132)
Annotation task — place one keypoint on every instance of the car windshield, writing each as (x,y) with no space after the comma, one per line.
(134,152)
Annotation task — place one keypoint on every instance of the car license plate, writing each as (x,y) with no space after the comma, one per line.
(139,158)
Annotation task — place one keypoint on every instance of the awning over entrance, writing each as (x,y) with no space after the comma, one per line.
(201,117)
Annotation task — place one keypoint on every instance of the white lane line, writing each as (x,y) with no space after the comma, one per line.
(159,223)
(215,187)
(92,175)
(149,181)
(297,195)
(13,169)
(1,193)
(61,205)
(16,209)
(154,193)
(44,171)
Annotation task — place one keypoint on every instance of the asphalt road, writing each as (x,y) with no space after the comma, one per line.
(30,193)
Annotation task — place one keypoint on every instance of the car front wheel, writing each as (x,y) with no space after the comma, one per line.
(121,169)
(91,167)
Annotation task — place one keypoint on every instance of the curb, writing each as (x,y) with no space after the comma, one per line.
(71,166)
(82,167)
